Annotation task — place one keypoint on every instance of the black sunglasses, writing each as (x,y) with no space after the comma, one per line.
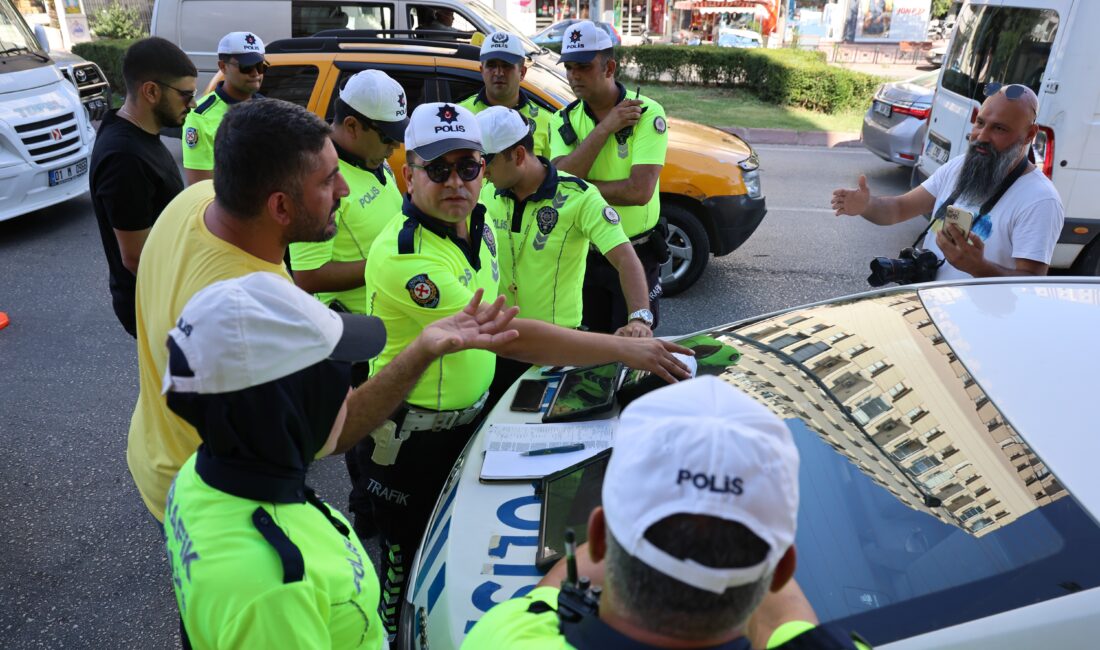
(385,139)
(438,171)
(1012,91)
(260,67)
(186,95)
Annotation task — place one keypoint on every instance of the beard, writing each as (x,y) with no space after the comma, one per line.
(311,228)
(168,116)
(982,174)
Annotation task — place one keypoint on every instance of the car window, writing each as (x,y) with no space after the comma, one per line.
(292,83)
(922,506)
(420,16)
(424,84)
(308,18)
(1003,44)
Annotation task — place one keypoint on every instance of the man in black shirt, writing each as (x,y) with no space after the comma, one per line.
(133,176)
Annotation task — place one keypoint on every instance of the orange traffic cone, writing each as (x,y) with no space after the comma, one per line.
(3,320)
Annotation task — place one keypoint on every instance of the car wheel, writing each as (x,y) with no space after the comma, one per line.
(689,247)
(1088,263)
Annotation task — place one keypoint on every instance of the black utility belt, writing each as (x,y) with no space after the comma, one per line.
(635,241)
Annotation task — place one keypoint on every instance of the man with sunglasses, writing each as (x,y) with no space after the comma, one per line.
(133,175)
(502,70)
(617,142)
(242,65)
(1017,215)
(437,252)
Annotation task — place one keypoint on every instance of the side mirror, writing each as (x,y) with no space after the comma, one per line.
(42,38)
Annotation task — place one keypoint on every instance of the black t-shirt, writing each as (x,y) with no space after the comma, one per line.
(133,176)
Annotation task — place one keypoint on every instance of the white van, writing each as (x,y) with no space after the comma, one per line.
(45,130)
(197,25)
(1052,46)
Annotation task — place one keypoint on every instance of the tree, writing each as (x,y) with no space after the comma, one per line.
(117,21)
(940,8)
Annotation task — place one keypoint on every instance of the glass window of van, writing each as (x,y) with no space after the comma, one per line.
(308,18)
(1003,44)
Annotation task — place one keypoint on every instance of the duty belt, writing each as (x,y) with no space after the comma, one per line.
(636,240)
(419,419)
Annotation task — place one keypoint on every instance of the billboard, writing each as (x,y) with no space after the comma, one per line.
(892,20)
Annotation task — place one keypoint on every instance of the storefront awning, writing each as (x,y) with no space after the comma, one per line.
(719,6)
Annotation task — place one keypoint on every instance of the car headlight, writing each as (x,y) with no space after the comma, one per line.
(752,183)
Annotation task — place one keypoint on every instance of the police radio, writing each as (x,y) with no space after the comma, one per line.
(578,599)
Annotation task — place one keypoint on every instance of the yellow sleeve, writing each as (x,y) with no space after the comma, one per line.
(289,616)
(198,143)
(512,625)
(600,222)
(420,287)
(651,136)
(310,256)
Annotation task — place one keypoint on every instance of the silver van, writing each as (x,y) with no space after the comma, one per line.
(1052,47)
(197,25)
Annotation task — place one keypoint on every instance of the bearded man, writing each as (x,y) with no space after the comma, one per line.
(1017,213)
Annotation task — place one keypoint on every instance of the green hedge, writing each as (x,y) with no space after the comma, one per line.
(108,55)
(781,76)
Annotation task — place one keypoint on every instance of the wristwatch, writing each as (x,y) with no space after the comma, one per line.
(643,315)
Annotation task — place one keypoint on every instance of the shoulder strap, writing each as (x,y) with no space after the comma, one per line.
(294,567)
(206,103)
(406,239)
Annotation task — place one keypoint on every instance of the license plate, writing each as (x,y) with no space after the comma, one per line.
(68,173)
(883,109)
(937,153)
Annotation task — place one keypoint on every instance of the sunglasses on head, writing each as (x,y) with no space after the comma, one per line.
(439,171)
(260,67)
(1012,91)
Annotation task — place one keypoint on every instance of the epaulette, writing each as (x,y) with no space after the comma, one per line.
(210,100)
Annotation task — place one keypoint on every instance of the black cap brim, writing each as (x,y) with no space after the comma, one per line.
(583,56)
(393,130)
(507,57)
(363,338)
(248,58)
(439,148)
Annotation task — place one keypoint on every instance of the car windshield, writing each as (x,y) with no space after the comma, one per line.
(15,37)
(551,81)
(922,507)
(501,24)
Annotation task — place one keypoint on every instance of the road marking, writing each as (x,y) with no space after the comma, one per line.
(790,209)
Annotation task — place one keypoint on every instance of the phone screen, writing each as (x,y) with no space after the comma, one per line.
(529,395)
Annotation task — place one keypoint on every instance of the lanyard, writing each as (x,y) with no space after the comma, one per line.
(512,288)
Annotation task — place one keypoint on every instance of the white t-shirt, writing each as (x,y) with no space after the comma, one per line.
(1024,224)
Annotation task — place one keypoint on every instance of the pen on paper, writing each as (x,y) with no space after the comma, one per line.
(554,450)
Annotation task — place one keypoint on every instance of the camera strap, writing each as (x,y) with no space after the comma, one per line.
(986,207)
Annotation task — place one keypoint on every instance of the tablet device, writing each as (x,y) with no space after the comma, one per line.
(568,497)
(584,392)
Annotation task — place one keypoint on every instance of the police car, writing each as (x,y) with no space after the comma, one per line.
(949,494)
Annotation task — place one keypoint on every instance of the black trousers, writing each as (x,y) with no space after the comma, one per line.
(605,308)
(398,499)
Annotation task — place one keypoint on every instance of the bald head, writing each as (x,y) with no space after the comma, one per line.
(1027,100)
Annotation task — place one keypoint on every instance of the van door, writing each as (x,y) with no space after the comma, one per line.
(992,42)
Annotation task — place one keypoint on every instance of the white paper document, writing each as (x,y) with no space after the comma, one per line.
(505,444)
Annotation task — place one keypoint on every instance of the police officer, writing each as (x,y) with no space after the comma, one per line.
(617,143)
(502,69)
(370,121)
(241,62)
(547,221)
(436,253)
(699,553)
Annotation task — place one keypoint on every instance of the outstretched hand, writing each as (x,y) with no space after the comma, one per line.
(477,326)
(655,355)
(852,202)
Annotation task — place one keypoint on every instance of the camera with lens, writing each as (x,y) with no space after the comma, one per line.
(913,265)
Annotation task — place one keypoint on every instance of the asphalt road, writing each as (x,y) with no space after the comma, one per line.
(82,563)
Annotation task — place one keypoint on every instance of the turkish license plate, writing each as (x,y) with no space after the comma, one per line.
(883,109)
(937,153)
(68,173)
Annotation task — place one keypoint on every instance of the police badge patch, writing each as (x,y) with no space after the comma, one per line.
(659,124)
(490,241)
(546,218)
(610,215)
(423,291)
(191,137)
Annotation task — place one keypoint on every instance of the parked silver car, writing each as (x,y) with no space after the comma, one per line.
(895,123)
